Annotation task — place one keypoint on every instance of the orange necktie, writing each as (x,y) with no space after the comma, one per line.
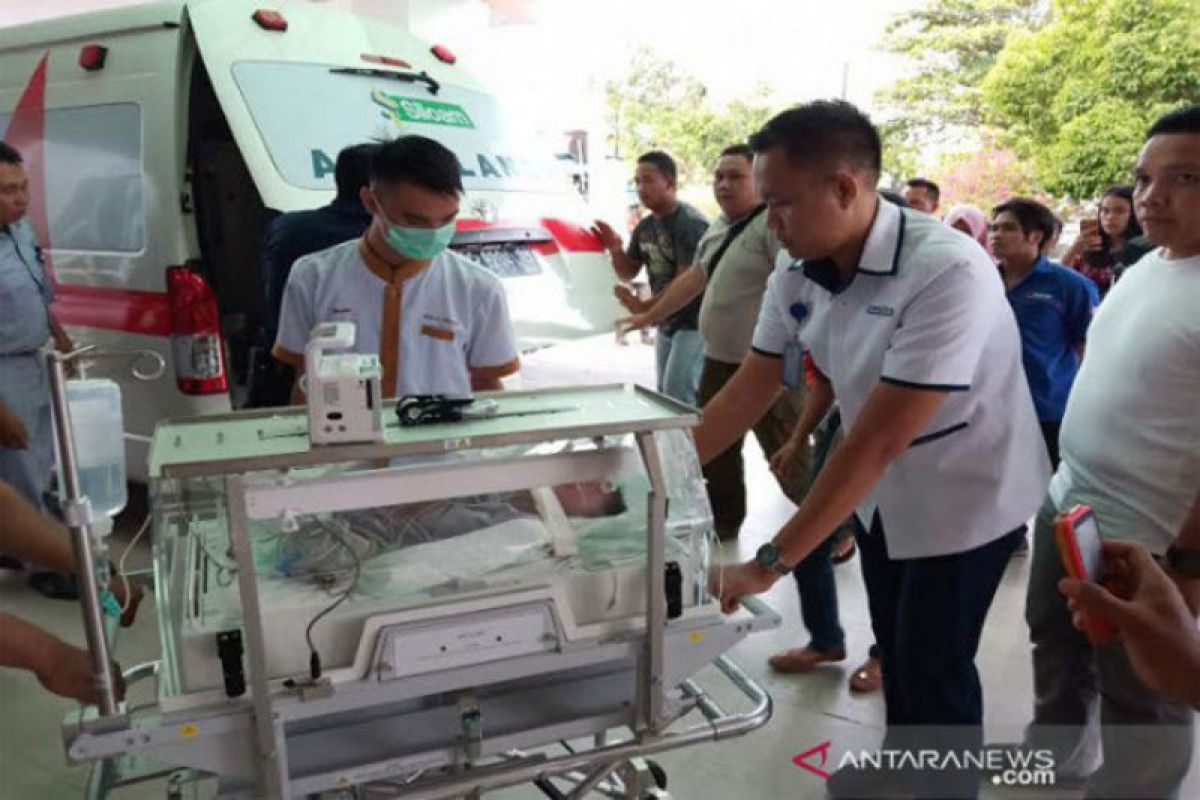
(393,296)
(389,337)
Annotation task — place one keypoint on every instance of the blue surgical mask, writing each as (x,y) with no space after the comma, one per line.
(419,244)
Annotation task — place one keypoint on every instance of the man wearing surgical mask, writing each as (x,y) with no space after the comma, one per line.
(438,321)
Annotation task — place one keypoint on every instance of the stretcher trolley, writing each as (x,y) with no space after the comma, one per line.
(515,598)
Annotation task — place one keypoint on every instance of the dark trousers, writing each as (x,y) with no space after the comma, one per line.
(928,615)
(814,574)
(725,473)
(1050,429)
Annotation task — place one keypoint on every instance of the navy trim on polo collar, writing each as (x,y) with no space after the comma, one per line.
(824,273)
(890,222)
(880,249)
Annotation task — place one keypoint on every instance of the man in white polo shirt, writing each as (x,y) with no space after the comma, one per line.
(1131,450)
(438,321)
(943,459)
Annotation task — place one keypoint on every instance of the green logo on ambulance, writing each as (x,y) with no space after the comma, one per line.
(426,112)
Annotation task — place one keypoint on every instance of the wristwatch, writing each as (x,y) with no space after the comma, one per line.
(1185,562)
(767,557)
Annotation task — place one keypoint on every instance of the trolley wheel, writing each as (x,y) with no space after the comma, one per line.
(658,773)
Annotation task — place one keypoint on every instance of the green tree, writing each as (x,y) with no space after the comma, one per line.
(1076,96)
(952,45)
(659,105)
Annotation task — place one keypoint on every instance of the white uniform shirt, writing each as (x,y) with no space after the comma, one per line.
(925,309)
(453,320)
(1131,435)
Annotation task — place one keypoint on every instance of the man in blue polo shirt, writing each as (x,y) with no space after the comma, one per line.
(1053,306)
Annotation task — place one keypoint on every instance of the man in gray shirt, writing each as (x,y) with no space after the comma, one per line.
(725,284)
(665,244)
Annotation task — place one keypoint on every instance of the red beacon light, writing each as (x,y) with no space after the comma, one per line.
(92,57)
(270,20)
(443,54)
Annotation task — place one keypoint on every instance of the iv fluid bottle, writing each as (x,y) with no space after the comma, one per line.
(98,429)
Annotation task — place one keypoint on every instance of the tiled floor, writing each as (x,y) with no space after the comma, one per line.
(809,710)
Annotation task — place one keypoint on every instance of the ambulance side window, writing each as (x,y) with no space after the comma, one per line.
(95,192)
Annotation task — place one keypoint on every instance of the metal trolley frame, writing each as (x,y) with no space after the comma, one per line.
(251,741)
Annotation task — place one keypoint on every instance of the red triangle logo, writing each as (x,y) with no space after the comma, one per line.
(802,760)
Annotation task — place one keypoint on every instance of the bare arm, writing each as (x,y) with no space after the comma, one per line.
(625,267)
(482,383)
(740,403)
(683,289)
(27,535)
(13,434)
(892,417)
(60,667)
(1189,532)
(62,342)
(817,403)
(1084,243)
(1189,539)
(1158,631)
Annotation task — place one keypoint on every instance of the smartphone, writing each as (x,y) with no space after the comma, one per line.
(1079,547)
(1089,227)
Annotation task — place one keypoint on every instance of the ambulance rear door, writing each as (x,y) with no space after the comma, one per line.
(297,87)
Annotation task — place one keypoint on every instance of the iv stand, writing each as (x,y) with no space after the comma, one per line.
(77,512)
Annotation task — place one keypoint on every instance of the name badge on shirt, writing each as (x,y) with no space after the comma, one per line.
(793,366)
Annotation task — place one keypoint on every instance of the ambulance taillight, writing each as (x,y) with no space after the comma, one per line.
(195,333)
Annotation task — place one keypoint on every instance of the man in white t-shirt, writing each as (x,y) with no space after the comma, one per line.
(1131,450)
(943,460)
(438,321)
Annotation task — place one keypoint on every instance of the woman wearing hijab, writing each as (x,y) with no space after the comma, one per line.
(971,221)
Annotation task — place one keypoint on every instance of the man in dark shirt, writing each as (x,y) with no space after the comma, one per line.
(665,244)
(296,234)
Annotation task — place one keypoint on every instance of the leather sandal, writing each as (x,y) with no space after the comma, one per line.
(841,554)
(867,678)
(803,659)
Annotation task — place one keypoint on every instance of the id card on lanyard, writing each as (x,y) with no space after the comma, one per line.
(793,366)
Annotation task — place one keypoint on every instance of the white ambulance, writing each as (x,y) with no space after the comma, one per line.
(160,138)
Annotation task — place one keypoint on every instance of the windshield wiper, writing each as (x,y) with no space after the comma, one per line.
(407,77)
